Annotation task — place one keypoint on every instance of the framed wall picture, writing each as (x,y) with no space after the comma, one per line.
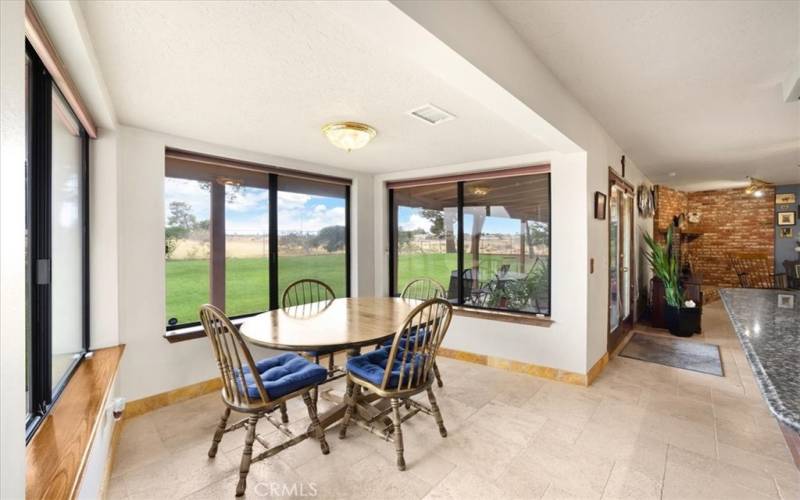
(599,205)
(785,198)
(787,218)
(786,232)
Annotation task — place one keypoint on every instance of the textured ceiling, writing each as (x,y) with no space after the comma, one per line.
(689,88)
(266,76)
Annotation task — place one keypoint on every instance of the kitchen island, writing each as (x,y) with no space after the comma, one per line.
(767,323)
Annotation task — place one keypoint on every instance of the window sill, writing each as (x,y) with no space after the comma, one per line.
(189,333)
(57,453)
(510,317)
(183,334)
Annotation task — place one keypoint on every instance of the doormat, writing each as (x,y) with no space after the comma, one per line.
(694,356)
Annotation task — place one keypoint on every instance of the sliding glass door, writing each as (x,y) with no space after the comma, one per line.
(620,265)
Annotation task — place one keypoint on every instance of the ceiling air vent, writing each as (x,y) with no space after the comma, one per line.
(431,115)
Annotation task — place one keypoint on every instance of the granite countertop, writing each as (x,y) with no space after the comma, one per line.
(770,336)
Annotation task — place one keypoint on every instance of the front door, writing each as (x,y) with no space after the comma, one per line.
(620,260)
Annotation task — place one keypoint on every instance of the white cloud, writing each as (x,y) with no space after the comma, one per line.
(416,221)
(188,192)
(247,199)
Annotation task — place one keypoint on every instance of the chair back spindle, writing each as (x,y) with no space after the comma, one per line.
(423,289)
(306,291)
(233,357)
(753,270)
(416,344)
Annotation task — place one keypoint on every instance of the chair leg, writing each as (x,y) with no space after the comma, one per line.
(331,366)
(437,414)
(247,455)
(318,430)
(284,414)
(437,375)
(398,434)
(223,422)
(350,399)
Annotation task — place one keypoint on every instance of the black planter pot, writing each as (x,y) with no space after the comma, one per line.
(682,322)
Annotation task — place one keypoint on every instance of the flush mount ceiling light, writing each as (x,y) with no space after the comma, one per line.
(756,187)
(349,135)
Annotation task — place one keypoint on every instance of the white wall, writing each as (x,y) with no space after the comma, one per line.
(504,57)
(92,483)
(152,365)
(103,240)
(12,249)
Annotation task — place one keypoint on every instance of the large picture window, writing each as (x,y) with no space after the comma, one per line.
(485,238)
(57,334)
(236,235)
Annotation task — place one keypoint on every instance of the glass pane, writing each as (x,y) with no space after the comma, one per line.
(246,249)
(28,228)
(66,239)
(187,205)
(311,233)
(613,257)
(425,236)
(507,243)
(625,286)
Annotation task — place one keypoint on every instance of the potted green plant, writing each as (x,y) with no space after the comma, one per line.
(665,268)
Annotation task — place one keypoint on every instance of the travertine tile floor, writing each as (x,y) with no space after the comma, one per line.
(640,431)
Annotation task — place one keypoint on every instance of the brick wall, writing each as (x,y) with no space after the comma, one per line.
(732,222)
(670,203)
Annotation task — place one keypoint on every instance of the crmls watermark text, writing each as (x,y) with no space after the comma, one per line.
(285,490)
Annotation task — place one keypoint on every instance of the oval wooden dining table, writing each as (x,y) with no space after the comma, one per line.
(341,324)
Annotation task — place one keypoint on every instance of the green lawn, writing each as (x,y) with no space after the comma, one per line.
(246,279)
(246,288)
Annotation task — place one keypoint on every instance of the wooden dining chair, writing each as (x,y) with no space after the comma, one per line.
(306,291)
(755,271)
(424,289)
(399,372)
(277,380)
(313,292)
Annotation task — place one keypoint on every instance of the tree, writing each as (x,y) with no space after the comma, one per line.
(331,237)
(181,216)
(438,228)
(437,221)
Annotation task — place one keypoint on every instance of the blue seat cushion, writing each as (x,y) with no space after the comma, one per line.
(283,374)
(372,365)
(411,339)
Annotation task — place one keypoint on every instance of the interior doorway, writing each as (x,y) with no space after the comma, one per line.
(621,264)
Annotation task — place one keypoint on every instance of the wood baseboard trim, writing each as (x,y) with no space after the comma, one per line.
(156,401)
(547,372)
(596,369)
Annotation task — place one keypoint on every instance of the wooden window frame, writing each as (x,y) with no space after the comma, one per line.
(207,168)
(543,319)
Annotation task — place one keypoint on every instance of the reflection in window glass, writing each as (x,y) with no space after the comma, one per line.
(506,243)
(311,233)
(66,239)
(187,248)
(246,249)
(425,236)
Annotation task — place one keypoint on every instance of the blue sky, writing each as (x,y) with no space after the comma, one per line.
(247,213)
